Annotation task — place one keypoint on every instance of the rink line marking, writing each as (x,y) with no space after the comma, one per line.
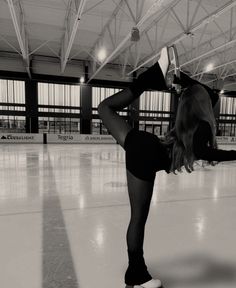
(21,213)
(119,205)
(57,261)
(161,202)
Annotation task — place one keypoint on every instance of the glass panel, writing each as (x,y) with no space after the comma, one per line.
(227,107)
(59,125)
(59,95)
(12,92)
(12,124)
(101,93)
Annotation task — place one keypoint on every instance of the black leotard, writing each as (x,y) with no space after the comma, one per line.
(145,154)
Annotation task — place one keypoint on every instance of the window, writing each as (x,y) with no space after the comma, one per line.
(155,101)
(227,119)
(12,95)
(59,98)
(98,95)
(153,105)
(12,99)
(12,124)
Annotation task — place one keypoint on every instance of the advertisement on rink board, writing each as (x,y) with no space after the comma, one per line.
(56,138)
(77,138)
(21,138)
(80,138)
(226,139)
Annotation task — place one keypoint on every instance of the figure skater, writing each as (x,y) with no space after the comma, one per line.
(191,139)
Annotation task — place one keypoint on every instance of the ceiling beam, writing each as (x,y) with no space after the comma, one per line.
(217,67)
(20,32)
(197,26)
(204,45)
(151,11)
(209,52)
(107,26)
(69,37)
(155,23)
(227,76)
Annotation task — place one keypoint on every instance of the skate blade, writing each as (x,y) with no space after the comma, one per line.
(174,62)
(138,286)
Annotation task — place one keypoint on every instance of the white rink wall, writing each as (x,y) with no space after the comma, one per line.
(56,138)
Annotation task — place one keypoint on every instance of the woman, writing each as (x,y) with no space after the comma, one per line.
(192,138)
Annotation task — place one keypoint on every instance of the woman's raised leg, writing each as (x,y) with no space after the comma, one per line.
(153,78)
(116,125)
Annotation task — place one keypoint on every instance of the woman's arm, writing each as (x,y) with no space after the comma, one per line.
(204,152)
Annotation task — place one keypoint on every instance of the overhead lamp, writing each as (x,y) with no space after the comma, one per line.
(102,54)
(209,67)
(82,79)
(135,35)
(222,91)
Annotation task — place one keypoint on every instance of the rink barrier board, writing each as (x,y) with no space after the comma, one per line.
(76,139)
(15,138)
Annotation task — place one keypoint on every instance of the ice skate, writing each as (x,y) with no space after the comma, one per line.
(153,283)
(174,70)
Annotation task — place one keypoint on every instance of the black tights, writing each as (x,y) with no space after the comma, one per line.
(140,191)
(140,195)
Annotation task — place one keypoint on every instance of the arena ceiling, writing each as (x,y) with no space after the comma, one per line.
(59,37)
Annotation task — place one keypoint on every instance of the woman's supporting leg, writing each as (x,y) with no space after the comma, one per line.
(140,195)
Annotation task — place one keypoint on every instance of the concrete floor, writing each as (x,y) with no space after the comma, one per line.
(64,213)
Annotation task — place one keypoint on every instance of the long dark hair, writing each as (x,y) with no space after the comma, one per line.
(194,106)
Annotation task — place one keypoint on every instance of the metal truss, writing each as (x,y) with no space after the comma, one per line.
(138,21)
(74,12)
(112,32)
(18,20)
(192,57)
(190,30)
(164,13)
(222,52)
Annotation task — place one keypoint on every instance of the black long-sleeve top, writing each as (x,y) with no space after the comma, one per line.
(146,154)
(201,147)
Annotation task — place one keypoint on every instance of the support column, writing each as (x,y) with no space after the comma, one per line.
(31,102)
(216,111)
(173,108)
(219,84)
(134,114)
(86,109)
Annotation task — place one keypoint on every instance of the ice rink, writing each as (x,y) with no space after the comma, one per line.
(64,213)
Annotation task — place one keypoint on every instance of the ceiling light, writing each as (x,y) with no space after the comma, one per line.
(135,36)
(209,67)
(102,54)
(82,79)
(222,91)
